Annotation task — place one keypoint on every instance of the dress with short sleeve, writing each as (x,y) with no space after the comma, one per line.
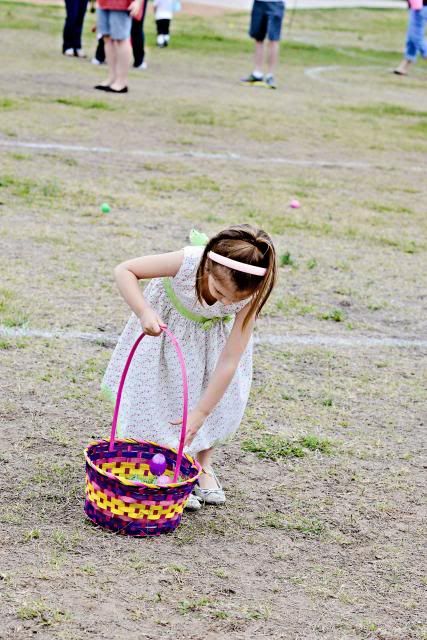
(152,395)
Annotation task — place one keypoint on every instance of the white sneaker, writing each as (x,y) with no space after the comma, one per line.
(95,61)
(80,53)
(210,496)
(69,53)
(160,41)
(142,66)
(192,504)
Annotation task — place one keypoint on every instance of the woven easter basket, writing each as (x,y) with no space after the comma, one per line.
(125,506)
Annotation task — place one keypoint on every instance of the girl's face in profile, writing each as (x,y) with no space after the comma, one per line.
(223,290)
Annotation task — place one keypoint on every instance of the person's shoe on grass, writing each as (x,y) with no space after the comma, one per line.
(254,78)
(269,81)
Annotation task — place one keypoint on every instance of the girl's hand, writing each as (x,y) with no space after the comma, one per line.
(151,323)
(195,420)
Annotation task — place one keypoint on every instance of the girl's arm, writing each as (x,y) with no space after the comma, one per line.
(127,275)
(223,373)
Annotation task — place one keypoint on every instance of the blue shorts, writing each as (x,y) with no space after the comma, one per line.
(116,24)
(266,19)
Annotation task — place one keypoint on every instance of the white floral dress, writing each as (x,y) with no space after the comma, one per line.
(152,395)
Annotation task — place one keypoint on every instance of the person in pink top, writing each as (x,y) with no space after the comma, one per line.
(114,18)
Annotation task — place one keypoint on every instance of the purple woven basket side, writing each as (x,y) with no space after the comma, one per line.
(148,496)
(136,528)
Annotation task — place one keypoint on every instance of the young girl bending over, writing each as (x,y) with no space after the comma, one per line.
(209,296)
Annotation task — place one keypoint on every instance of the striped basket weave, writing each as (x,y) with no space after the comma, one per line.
(125,506)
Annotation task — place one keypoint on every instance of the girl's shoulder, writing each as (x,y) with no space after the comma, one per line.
(190,262)
(193,252)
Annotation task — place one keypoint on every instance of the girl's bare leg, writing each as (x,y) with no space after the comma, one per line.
(205,459)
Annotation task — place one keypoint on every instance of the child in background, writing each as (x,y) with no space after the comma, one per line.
(163,11)
(415,40)
(209,296)
(73,27)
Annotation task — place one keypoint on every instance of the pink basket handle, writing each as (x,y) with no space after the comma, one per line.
(185,394)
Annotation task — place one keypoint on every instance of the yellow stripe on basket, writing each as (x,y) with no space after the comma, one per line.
(134,510)
(124,469)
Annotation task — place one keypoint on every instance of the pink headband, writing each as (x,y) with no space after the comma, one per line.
(238,266)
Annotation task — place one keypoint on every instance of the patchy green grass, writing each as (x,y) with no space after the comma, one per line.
(301,524)
(27,188)
(286,260)
(382,109)
(40,612)
(86,104)
(275,447)
(8,103)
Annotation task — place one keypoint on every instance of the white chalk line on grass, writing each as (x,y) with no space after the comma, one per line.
(197,155)
(274,340)
(317,73)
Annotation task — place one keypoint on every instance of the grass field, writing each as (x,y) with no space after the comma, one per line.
(322,534)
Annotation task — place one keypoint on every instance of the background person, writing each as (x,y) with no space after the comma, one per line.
(73,27)
(266,22)
(415,39)
(114,19)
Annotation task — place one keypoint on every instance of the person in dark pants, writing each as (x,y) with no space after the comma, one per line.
(138,40)
(163,32)
(72,36)
(163,10)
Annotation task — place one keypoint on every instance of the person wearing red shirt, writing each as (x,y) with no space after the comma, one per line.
(114,18)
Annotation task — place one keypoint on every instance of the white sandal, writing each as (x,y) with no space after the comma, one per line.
(210,496)
(193,503)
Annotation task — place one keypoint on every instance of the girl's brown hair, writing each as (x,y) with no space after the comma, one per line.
(245,244)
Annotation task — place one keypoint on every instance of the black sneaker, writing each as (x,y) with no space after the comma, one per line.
(252,80)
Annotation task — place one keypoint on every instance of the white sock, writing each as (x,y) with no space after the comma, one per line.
(257,74)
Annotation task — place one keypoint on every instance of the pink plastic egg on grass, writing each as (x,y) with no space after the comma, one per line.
(163,481)
(294,204)
(158,464)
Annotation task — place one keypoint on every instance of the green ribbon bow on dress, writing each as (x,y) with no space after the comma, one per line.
(205,323)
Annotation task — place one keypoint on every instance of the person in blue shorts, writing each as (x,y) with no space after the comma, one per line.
(266,22)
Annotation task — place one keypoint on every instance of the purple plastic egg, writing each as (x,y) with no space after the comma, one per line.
(158,464)
(163,481)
